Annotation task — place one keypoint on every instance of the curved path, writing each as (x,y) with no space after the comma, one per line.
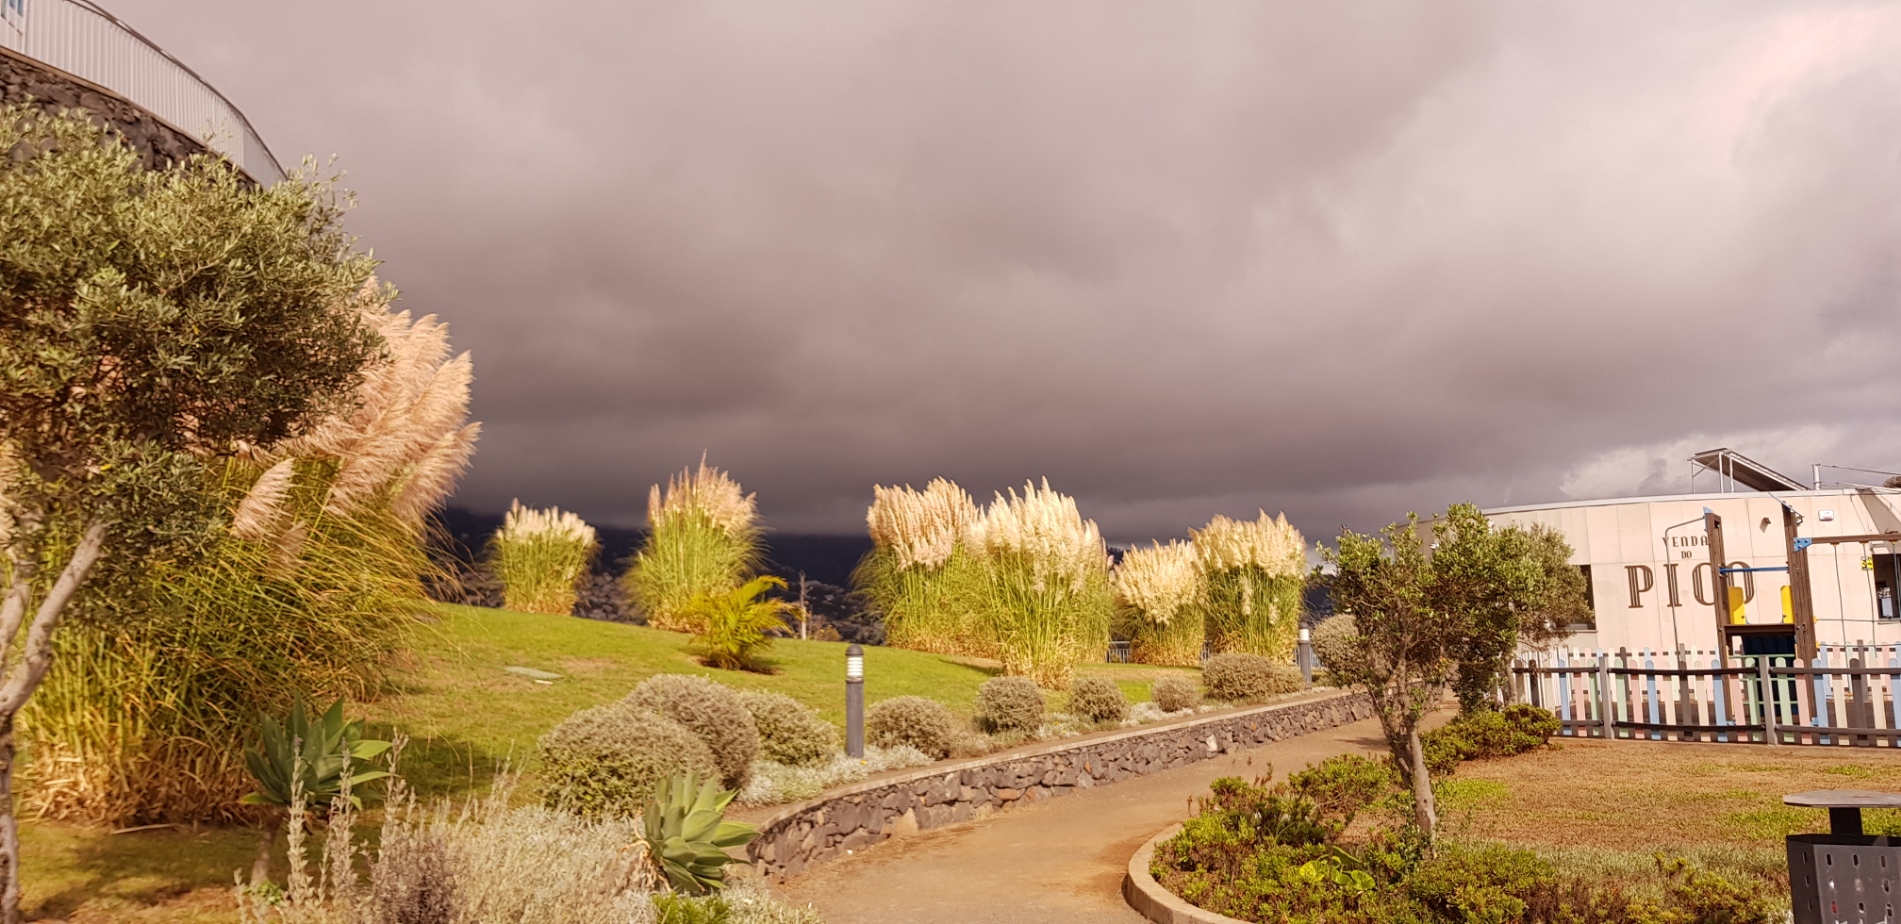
(1055,861)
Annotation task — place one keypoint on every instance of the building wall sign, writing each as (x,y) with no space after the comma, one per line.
(1653,586)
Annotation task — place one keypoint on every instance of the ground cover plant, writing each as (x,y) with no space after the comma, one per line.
(1238,677)
(540,556)
(1266,851)
(1009,704)
(702,540)
(1252,574)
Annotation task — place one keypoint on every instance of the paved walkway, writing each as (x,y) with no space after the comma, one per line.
(1055,861)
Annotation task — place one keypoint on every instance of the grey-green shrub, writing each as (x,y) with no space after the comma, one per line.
(1236,677)
(921,723)
(1174,693)
(1098,699)
(789,732)
(1007,704)
(709,710)
(608,760)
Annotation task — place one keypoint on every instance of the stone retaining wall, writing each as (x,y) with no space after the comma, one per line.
(158,144)
(809,833)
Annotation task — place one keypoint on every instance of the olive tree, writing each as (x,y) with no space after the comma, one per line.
(151,322)
(1416,621)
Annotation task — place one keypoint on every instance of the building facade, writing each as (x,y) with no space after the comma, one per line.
(1652,584)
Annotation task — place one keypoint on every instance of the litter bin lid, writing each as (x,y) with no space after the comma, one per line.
(1844,798)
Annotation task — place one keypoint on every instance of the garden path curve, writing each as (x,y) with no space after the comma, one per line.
(1055,861)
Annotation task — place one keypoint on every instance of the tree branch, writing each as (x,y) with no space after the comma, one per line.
(38,652)
(12,611)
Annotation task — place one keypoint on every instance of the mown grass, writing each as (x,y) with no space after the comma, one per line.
(465,713)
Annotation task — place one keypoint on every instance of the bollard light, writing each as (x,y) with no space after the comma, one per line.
(1304,655)
(855,701)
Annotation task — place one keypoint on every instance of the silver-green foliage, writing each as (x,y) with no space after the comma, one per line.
(1174,693)
(911,720)
(309,757)
(790,733)
(1242,677)
(687,834)
(1098,699)
(1007,704)
(607,761)
(709,710)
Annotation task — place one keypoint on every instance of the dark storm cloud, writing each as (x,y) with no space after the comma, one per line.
(1343,260)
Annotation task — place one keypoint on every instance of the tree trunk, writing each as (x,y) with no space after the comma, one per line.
(21,679)
(261,867)
(1424,814)
(9,829)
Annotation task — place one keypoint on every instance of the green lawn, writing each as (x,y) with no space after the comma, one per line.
(465,713)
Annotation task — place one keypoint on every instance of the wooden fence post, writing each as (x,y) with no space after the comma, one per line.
(1605,711)
(1768,700)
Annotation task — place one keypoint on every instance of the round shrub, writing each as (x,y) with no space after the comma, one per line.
(1174,693)
(1006,704)
(709,710)
(789,733)
(1335,640)
(921,723)
(1098,699)
(608,760)
(1236,677)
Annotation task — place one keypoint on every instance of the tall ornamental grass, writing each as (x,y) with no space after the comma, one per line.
(1047,599)
(541,557)
(310,589)
(922,573)
(1252,574)
(1025,580)
(1159,604)
(703,540)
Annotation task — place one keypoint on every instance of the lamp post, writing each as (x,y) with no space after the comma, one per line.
(855,701)
(1304,655)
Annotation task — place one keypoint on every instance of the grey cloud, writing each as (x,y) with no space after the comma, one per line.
(1344,260)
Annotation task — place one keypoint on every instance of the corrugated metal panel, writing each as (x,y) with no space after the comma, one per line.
(84,40)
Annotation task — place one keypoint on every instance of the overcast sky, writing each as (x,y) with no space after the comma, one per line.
(1342,260)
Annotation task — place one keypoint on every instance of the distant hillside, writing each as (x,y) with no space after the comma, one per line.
(829,559)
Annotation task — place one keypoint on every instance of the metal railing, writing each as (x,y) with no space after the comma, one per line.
(80,38)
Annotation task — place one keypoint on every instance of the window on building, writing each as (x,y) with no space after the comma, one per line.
(1590,598)
(1887,568)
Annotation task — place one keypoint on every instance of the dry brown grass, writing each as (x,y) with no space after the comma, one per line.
(1648,796)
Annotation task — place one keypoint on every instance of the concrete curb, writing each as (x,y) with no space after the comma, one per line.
(1157,904)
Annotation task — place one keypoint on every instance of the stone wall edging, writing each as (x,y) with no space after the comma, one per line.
(807,833)
(1157,904)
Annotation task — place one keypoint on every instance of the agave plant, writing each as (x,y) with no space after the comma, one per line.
(307,761)
(686,833)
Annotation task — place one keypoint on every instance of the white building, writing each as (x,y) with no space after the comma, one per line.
(1647,561)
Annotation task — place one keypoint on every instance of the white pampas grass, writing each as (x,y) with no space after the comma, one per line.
(257,515)
(921,527)
(1160,582)
(541,557)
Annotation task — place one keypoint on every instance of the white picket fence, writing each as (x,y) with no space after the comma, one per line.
(1846,696)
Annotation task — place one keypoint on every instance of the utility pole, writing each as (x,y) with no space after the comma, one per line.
(804,613)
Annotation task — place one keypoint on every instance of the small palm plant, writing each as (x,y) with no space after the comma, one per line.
(734,624)
(306,761)
(686,833)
